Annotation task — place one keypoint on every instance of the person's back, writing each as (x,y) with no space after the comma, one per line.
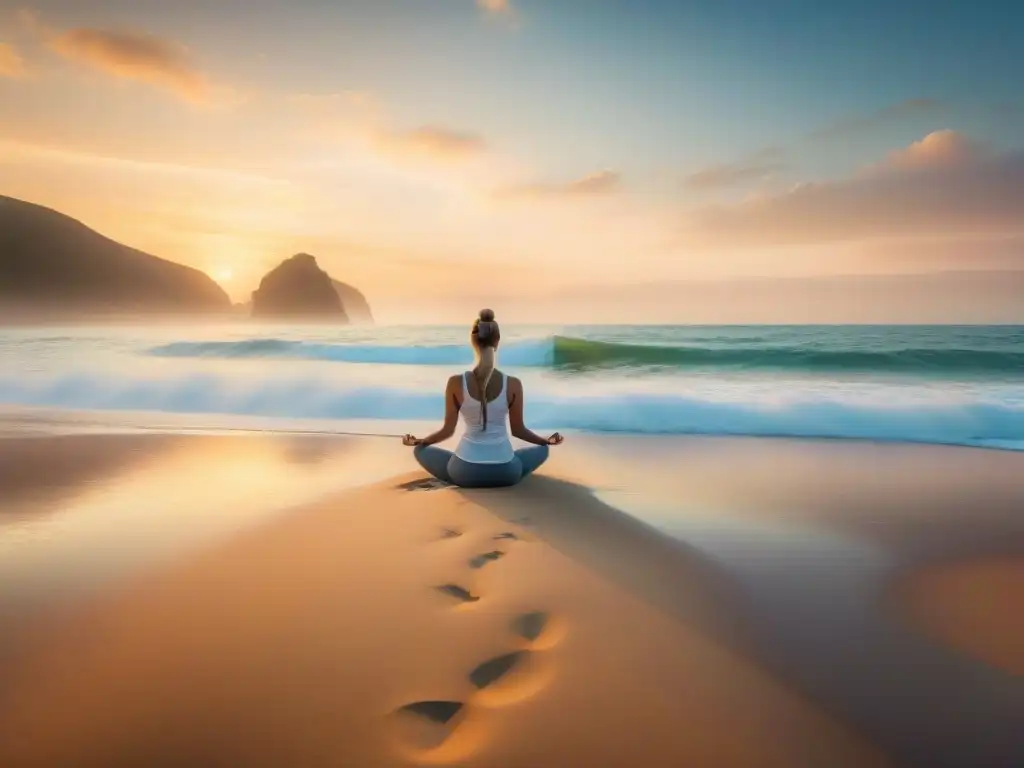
(491,405)
(485,443)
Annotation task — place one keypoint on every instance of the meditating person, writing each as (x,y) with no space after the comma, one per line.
(490,403)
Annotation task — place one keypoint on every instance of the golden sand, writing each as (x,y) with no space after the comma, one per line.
(407,625)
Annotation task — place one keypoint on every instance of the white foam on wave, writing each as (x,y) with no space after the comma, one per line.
(965,420)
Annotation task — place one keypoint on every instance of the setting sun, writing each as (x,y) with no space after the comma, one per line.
(222,274)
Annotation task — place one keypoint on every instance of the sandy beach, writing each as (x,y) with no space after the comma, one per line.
(301,601)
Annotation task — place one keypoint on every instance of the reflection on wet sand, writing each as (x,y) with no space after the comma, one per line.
(974,605)
(88,510)
(816,562)
(36,474)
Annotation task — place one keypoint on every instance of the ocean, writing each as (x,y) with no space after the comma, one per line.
(960,385)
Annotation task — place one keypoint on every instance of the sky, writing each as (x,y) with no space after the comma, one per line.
(443,155)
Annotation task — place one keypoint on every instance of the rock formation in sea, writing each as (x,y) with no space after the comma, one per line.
(54,266)
(298,288)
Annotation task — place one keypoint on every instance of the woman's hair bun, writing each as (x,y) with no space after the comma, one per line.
(486,315)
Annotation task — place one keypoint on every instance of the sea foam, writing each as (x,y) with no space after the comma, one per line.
(963,420)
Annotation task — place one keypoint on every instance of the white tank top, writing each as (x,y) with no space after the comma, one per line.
(490,445)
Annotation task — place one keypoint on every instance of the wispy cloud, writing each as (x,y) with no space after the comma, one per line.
(11,63)
(359,118)
(20,151)
(431,141)
(759,167)
(134,56)
(942,185)
(892,113)
(768,162)
(595,184)
(328,105)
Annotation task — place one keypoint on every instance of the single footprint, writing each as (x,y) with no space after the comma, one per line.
(459,593)
(481,560)
(450,533)
(491,671)
(506,536)
(426,725)
(435,711)
(530,626)
(429,484)
(510,679)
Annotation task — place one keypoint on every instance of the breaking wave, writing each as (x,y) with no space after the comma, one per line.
(819,414)
(568,353)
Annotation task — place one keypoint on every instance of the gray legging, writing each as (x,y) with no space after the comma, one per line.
(449,468)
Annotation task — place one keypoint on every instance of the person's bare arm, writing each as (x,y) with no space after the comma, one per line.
(515,417)
(451,416)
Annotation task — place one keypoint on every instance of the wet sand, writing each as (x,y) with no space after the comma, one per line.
(302,601)
(970,605)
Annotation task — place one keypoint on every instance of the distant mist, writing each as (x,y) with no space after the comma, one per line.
(995,297)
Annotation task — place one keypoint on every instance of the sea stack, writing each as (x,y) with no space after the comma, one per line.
(298,288)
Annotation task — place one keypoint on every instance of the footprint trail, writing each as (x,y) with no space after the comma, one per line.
(440,731)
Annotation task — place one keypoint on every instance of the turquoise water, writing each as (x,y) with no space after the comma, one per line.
(939,384)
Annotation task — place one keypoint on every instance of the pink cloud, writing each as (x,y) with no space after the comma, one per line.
(941,149)
(134,56)
(942,185)
(495,6)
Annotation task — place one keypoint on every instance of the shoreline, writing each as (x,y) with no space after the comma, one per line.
(51,420)
(722,587)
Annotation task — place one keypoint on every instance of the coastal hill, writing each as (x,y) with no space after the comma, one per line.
(51,264)
(298,288)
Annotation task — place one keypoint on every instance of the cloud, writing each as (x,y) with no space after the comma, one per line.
(943,185)
(940,149)
(495,6)
(13,151)
(330,104)
(429,141)
(11,63)
(592,185)
(892,113)
(762,165)
(134,56)
(359,118)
